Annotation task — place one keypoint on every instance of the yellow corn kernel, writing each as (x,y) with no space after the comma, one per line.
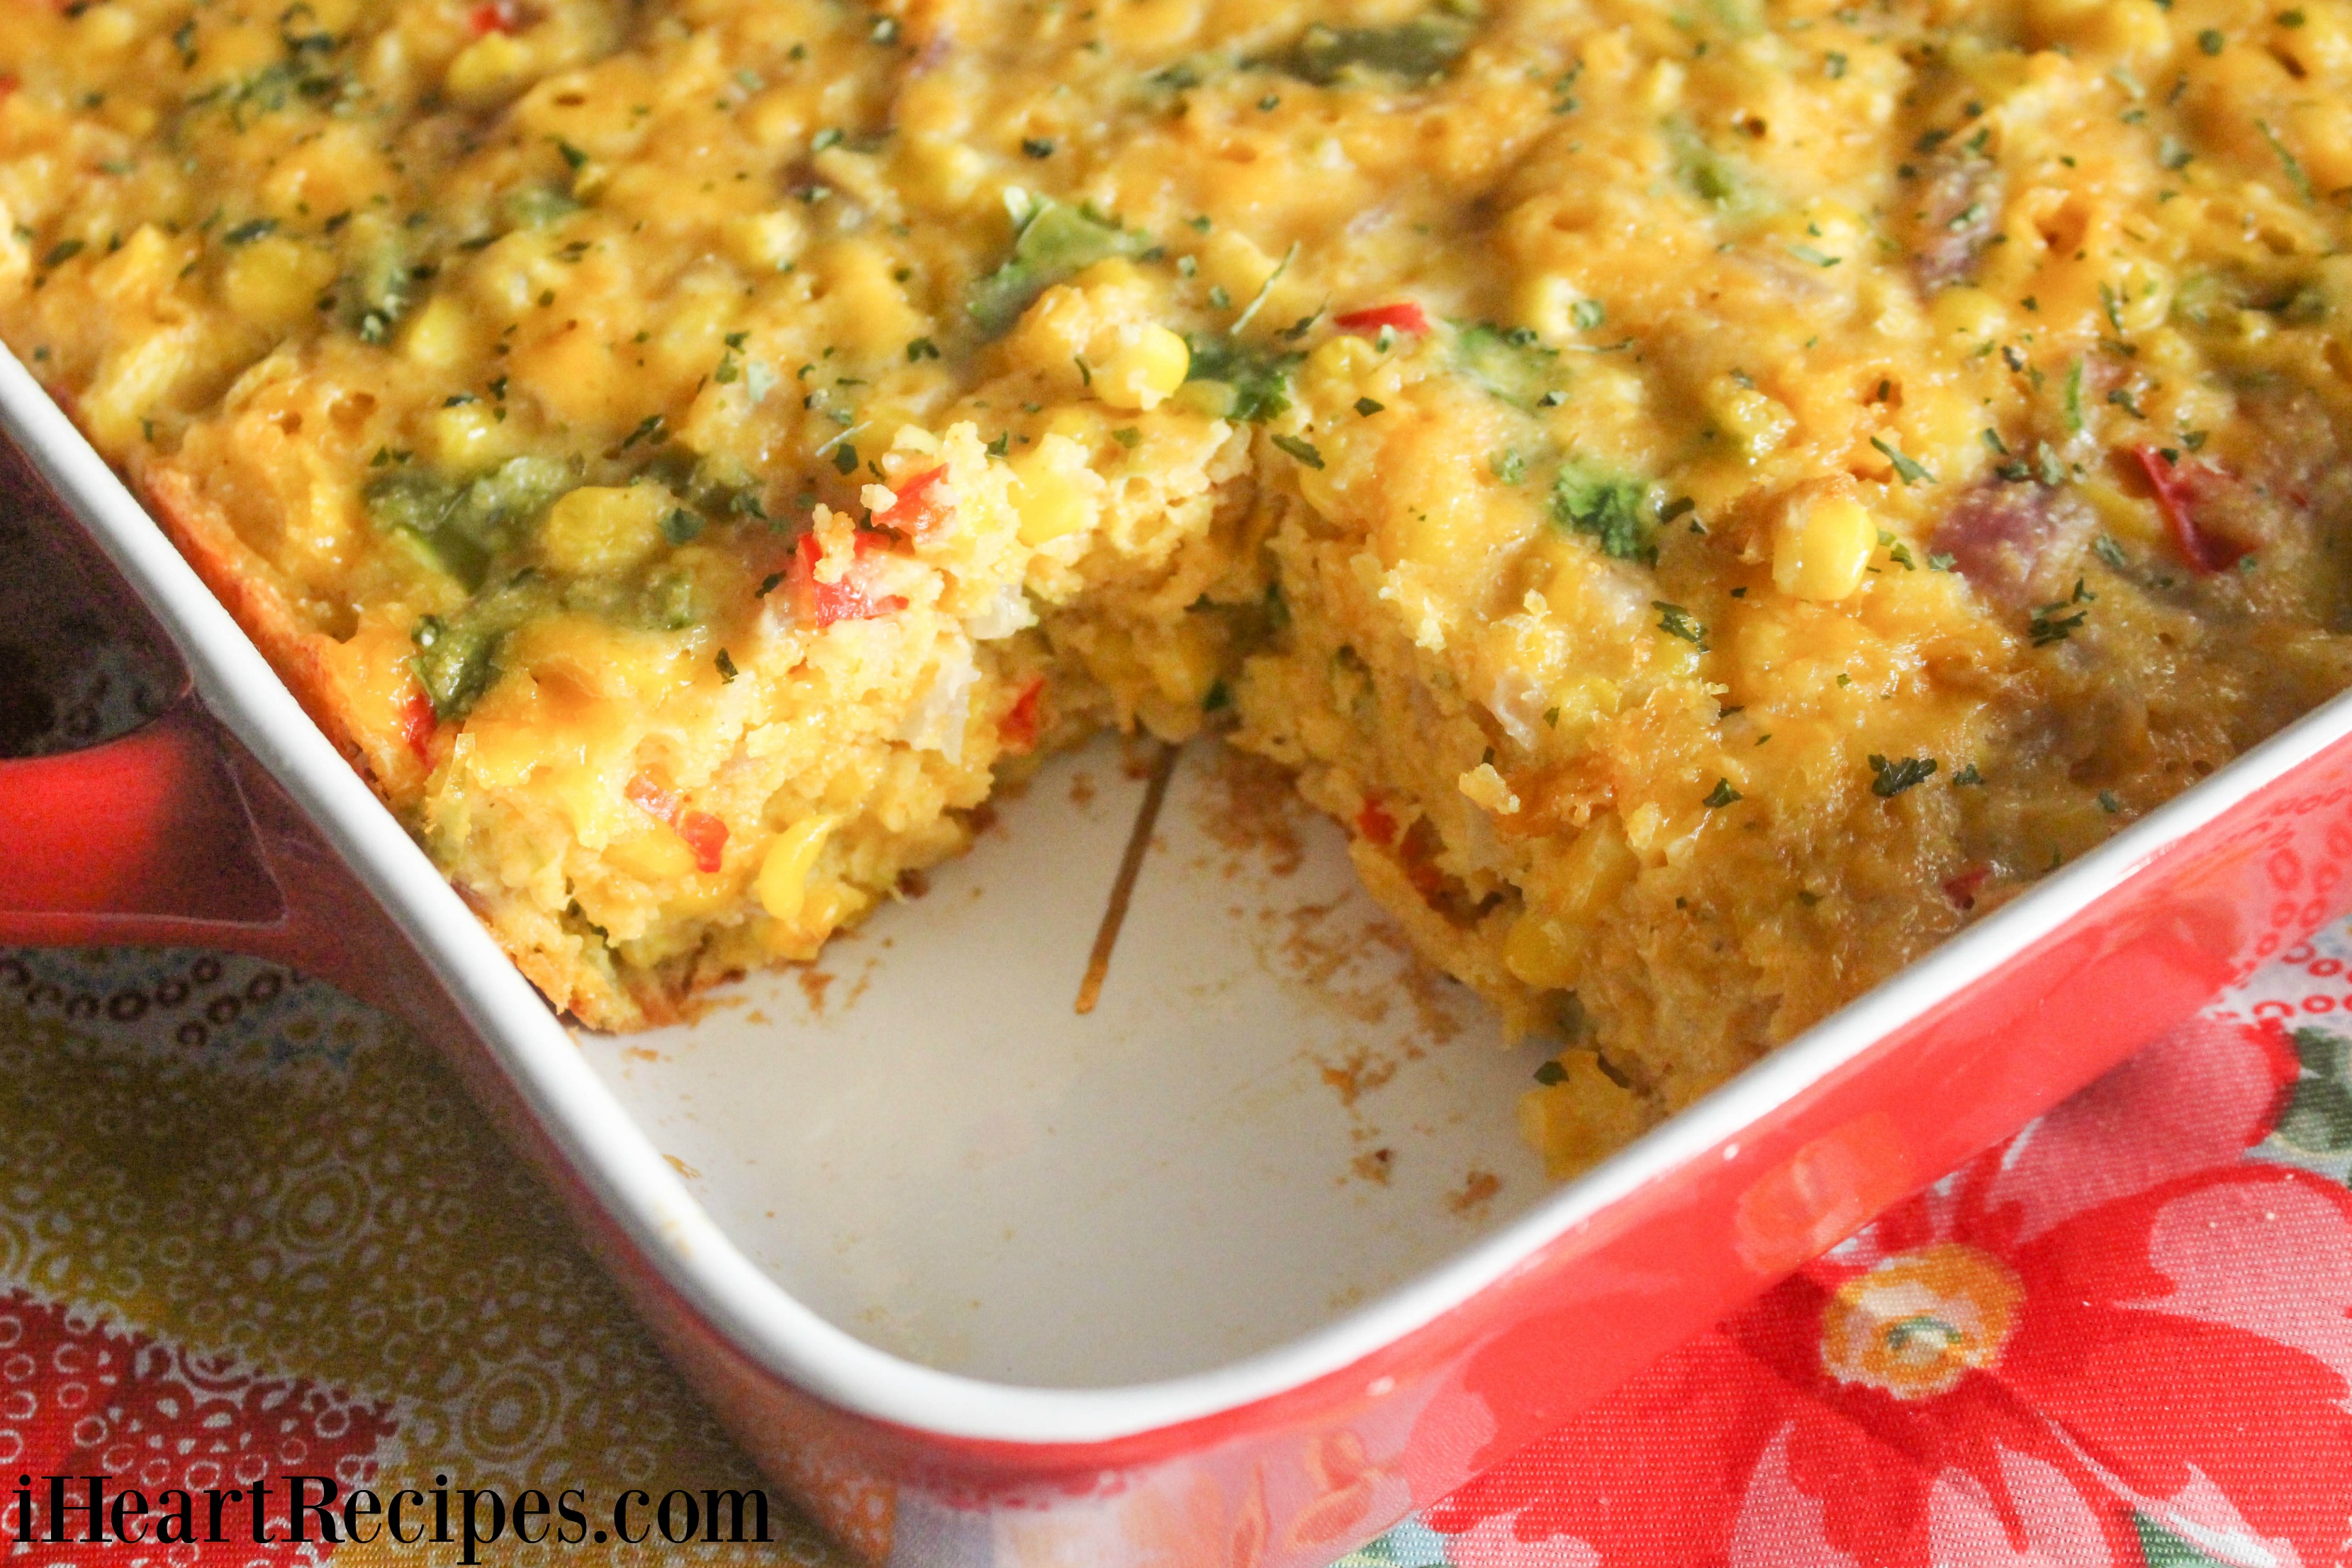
(1144,365)
(1047,496)
(2143,295)
(1758,421)
(763,242)
(783,882)
(1820,547)
(490,70)
(598,528)
(1542,952)
(467,437)
(1968,313)
(274,282)
(1582,1118)
(440,335)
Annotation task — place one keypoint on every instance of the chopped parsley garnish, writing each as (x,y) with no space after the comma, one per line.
(767,585)
(60,253)
(1508,465)
(1722,794)
(2050,624)
(1260,377)
(1586,314)
(2074,396)
(1509,362)
(844,458)
(1036,147)
(681,526)
(1676,621)
(1605,507)
(251,230)
(1551,1073)
(1889,778)
(922,349)
(1909,470)
(1129,436)
(1967,776)
(726,670)
(1367,407)
(2211,41)
(1301,448)
(2108,803)
(2288,161)
(2108,550)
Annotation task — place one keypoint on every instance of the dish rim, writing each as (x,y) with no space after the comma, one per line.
(615,1160)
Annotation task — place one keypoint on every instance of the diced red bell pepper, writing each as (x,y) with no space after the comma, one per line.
(1962,890)
(703,833)
(922,506)
(1022,722)
(706,836)
(1404,316)
(847,599)
(417,724)
(494,18)
(1375,823)
(2179,488)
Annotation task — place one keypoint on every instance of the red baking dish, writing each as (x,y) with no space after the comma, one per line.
(1236,1271)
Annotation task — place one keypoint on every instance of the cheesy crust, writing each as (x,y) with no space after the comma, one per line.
(1713,499)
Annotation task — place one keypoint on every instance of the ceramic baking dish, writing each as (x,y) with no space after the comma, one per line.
(1236,1269)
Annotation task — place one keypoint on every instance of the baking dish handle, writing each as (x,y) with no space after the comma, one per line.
(172,835)
(141,840)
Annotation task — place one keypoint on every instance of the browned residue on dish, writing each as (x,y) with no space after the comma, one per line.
(1082,789)
(682,1168)
(914,883)
(639,1054)
(1356,1074)
(1374,1166)
(815,983)
(1478,1187)
(1252,812)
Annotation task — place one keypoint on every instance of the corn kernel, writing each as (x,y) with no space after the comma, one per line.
(274,282)
(1758,421)
(440,335)
(1144,365)
(783,882)
(1968,313)
(1820,547)
(1541,952)
(763,242)
(1047,495)
(467,437)
(490,70)
(598,528)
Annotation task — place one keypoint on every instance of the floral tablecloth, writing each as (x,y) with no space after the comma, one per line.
(250,1226)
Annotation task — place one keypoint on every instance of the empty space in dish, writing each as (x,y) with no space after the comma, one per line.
(1274,1113)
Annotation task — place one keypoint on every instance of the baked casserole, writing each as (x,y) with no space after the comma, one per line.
(1712,497)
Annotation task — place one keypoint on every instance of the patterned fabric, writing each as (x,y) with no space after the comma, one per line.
(244,1227)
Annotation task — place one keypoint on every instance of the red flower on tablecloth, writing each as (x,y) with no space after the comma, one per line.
(78,1398)
(2108,1331)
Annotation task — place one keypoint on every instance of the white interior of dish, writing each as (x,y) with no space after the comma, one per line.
(1273,1115)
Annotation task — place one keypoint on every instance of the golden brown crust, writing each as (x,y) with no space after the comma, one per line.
(553,959)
